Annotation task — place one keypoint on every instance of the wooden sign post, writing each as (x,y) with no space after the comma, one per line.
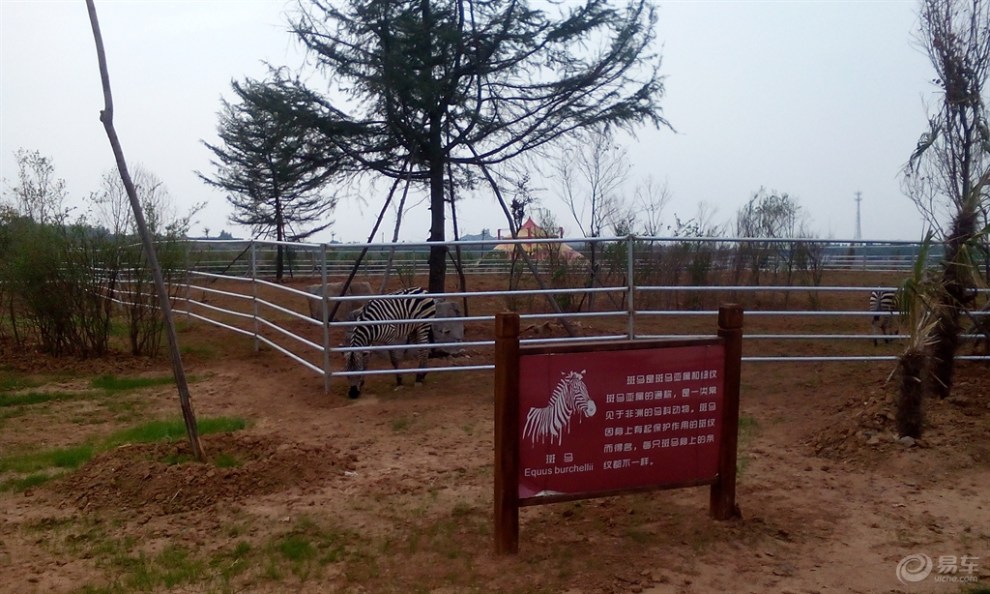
(598,419)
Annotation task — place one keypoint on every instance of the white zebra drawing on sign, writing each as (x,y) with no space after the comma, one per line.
(570,396)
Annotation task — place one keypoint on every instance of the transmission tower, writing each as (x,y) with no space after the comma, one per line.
(859,220)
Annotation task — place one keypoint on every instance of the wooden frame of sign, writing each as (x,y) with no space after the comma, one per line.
(614,417)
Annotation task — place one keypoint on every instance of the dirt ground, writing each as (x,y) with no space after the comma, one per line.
(395,491)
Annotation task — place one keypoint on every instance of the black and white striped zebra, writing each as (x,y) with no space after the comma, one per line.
(417,305)
(884,302)
(570,396)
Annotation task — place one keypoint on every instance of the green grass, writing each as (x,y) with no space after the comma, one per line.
(748,428)
(307,548)
(104,385)
(12,383)
(127,571)
(112,383)
(172,430)
(69,458)
(128,566)
(199,351)
(227,565)
(41,463)
(10,400)
(224,460)
(28,482)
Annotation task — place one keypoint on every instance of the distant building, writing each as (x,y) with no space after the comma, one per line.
(539,250)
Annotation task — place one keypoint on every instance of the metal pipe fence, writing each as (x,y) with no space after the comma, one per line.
(642,288)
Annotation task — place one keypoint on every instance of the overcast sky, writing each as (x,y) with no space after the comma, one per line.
(816,99)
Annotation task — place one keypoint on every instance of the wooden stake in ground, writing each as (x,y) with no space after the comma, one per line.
(106,116)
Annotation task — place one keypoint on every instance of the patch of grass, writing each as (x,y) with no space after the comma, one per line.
(400,424)
(129,571)
(20,485)
(306,549)
(73,457)
(444,535)
(129,568)
(199,351)
(296,548)
(640,536)
(748,428)
(172,430)
(112,383)
(229,564)
(119,328)
(12,383)
(224,460)
(9,400)
(176,566)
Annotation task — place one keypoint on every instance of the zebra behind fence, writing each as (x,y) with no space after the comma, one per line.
(416,306)
(884,302)
(570,396)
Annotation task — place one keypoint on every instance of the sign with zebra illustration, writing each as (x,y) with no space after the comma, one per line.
(605,421)
(592,419)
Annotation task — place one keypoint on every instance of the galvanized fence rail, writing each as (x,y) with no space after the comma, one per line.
(240,306)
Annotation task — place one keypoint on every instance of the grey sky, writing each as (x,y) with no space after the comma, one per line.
(816,99)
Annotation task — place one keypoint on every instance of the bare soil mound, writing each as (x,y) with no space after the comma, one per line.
(862,427)
(162,477)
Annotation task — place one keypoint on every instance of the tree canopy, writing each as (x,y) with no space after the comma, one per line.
(949,171)
(417,87)
(266,164)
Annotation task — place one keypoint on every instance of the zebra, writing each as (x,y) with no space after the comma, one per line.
(416,306)
(883,301)
(569,396)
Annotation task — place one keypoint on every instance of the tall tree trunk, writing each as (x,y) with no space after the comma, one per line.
(438,253)
(458,262)
(955,296)
(279,237)
(910,410)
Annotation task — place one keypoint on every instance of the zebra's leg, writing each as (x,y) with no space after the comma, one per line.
(890,328)
(874,329)
(394,358)
(423,356)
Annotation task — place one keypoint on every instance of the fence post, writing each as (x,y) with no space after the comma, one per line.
(631,287)
(506,433)
(326,322)
(722,502)
(254,294)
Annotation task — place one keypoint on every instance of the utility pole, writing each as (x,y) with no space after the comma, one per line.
(859,220)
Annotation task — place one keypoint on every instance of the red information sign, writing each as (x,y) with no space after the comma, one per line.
(594,422)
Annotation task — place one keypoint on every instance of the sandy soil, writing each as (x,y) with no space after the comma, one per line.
(400,484)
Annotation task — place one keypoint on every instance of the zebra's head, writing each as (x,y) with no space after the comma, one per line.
(355,361)
(577,393)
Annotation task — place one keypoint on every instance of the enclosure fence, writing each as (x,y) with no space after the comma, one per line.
(806,301)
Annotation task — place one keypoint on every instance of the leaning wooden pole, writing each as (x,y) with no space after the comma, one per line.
(106,116)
